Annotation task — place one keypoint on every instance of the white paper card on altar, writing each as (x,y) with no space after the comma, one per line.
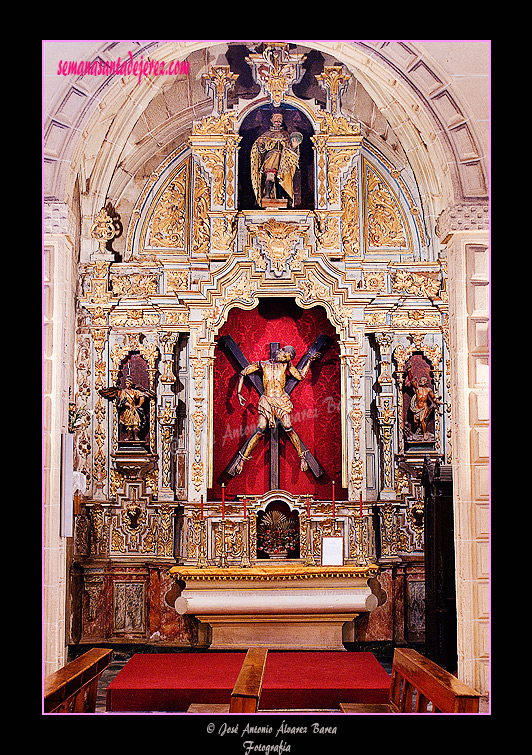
(332,551)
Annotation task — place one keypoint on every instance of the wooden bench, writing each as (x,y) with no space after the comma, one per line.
(420,686)
(247,690)
(73,688)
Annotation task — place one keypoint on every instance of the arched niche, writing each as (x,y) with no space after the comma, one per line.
(317,403)
(277,531)
(134,370)
(257,122)
(418,370)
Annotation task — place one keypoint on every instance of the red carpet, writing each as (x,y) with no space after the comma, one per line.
(172,681)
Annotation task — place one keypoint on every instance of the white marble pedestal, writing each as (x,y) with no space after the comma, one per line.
(279,607)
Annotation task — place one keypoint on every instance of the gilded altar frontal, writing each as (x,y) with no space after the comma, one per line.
(266,351)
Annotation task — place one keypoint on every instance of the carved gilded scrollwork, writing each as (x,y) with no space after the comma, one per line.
(177,280)
(350,219)
(98,530)
(223,233)
(356,365)
(375,319)
(134,528)
(230,150)
(134,318)
(356,415)
(99,464)
(213,160)
(97,292)
(198,418)
(82,429)
(334,81)
(229,539)
(168,222)
(320,142)
(135,284)
(166,417)
(164,538)
(338,158)
(357,474)
(327,230)
(389,529)
(359,540)
(220,80)
(385,226)
(374,280)
(337,126)
(200,215)
(416,318)
(276,69)
(214,125)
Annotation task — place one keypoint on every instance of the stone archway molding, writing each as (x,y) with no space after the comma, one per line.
(408,88)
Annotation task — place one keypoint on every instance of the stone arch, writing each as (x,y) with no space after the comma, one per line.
(420,103)
(86,144)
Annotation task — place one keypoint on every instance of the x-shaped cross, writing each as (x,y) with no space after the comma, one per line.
(321,344)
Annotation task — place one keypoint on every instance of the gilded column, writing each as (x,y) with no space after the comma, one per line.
(197,418)
(386,417)
(166,414)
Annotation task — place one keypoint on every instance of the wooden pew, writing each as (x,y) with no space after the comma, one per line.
(247,690)
(420,686)
(73,688)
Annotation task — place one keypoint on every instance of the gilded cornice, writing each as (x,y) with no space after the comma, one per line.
(282,572)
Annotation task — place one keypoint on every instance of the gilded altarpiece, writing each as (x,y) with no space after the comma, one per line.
(156,513)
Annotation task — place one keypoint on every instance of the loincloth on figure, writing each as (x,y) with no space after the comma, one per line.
(274,407)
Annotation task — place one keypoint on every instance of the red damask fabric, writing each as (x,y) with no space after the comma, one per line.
(316,400)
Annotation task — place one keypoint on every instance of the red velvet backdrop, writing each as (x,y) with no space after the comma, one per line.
(316,400)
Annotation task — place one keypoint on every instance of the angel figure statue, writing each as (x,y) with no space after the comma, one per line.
(274,161)
(130,406)
(423,402)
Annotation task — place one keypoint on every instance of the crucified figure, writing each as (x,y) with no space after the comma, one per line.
(274,403)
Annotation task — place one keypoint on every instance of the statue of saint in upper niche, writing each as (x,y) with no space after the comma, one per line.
(274,161)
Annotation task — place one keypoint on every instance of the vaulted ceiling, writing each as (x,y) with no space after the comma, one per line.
(104,135)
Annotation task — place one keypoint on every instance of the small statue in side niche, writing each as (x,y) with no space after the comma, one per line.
(130,406)
(422,403)
(274,160)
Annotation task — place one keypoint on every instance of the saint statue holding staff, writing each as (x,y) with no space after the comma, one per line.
(274,161)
